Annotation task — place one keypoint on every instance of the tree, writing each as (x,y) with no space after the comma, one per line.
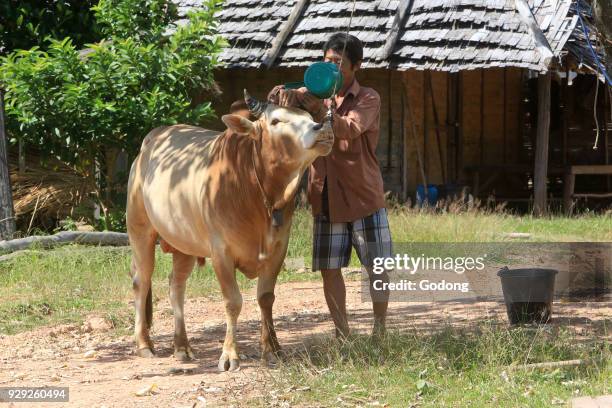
(77,105)
(27,23)
(7,215)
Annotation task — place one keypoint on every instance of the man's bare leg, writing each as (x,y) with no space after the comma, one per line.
(380,301)
(335,296)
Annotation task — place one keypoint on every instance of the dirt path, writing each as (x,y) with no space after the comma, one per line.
(56,356)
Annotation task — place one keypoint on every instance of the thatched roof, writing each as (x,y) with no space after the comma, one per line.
(444,35)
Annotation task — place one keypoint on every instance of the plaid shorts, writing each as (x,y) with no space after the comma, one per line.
(332,242)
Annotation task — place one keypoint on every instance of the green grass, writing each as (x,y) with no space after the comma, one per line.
(65,284)
(445,368)
(409,226)
(450,368)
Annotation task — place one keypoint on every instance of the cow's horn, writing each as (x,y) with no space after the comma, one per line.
(255,107)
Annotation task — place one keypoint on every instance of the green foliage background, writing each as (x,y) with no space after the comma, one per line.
(27,23)
(77,105)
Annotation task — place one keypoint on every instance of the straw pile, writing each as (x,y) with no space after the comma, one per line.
(44,194)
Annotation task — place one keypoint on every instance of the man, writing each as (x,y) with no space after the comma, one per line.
(345,188)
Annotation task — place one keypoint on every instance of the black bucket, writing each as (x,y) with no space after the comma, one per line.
(528,294)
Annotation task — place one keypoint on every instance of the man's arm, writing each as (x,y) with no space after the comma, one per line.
(285,97)
(359,119)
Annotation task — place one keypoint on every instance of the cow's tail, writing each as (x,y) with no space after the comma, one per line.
(149,308)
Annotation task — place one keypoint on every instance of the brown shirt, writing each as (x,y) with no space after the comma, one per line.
(354,181)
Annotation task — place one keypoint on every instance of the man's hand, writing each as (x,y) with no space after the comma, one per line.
(313,105)
(288,97)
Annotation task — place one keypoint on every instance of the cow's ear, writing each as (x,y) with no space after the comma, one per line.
(238,124)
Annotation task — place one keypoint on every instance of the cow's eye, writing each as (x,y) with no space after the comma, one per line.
(275,122)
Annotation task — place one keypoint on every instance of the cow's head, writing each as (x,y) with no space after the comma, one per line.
(288,140)
(288,132)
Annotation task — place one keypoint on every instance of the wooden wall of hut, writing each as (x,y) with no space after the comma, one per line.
(477,117)
(482,120)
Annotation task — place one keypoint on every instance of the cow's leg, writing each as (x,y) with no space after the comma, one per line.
(226,274)
(265,298)
(143,258)
(182,265)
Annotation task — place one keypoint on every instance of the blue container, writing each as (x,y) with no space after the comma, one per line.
(323,79)
(432,195)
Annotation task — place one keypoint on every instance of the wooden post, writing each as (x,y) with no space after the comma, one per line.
(569,180)
(404,147)
(459,126)
(425,128)
(389,123)
(541,153)
(451,126)
(414,136)
(541,42)
(504,118)
(566,111)
(398,21)
(482,135)
(284,32)
(7,215)
(429,85)
(606,135)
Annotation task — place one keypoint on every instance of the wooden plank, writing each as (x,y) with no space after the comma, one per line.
(606,133)
(7,213)
(398,22)
(504,114)
(437,125)
(592,169)
(541,153)
(569,181)
(481,112)
(493,121)
(564,119)
(527,17)
(404,175)
(470,118)
(389,122)
(451,122)
(413,86)
(426,143)
(284,32)
(593,195)
(459,127)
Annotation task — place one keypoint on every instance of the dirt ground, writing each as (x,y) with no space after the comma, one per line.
(102,370)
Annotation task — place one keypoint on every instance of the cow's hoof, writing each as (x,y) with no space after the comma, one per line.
(145,353)
(184,354)
(227,364)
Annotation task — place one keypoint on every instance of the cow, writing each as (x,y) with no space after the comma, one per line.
(227,197)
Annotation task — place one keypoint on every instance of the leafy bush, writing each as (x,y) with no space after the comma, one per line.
(82,106)
(114,220)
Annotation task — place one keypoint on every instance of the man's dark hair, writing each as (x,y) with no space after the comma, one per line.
(354,47)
